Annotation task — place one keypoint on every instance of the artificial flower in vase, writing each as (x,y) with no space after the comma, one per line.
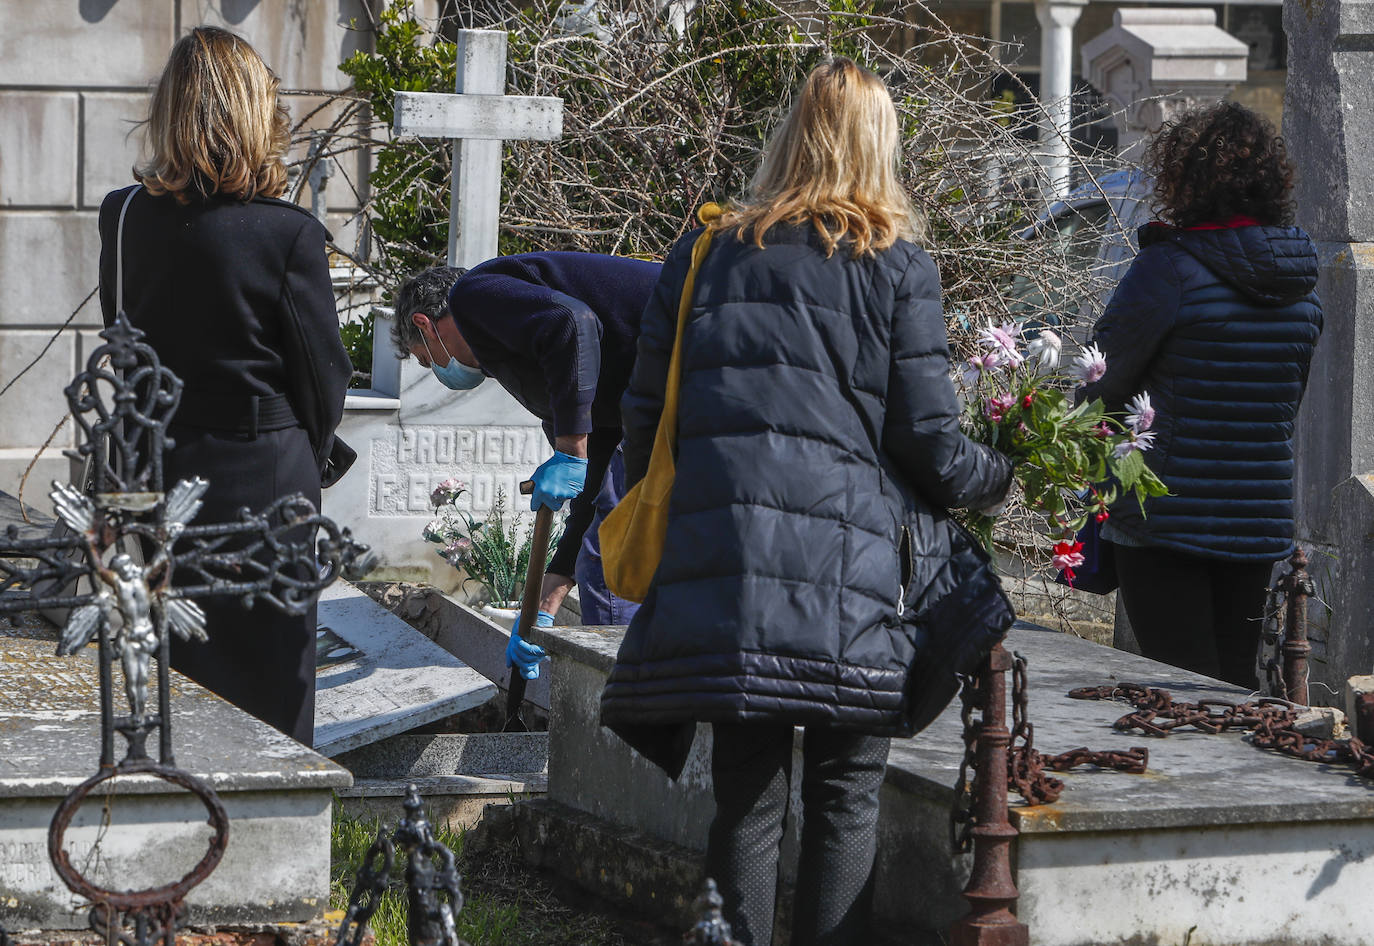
(494,552)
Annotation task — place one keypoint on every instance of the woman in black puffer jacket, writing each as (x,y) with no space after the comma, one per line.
(809,553)
(1215,321)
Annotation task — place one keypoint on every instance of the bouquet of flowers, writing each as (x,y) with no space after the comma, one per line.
(493,552)
(1070,462)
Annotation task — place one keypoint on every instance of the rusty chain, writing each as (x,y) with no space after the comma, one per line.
(1272,723)
(1028,768)
(961,812)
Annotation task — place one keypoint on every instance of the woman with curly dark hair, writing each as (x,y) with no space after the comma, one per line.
(1215,321)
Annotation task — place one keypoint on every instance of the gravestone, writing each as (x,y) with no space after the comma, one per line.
(1154,64)
(377,676)
(1218,842)
(1329,129)
(411,433)
(276,792)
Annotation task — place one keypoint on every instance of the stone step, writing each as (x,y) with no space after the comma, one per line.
(442,754)
(455,801)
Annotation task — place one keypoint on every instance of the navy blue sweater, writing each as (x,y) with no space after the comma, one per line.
(557,330)
(1218,326)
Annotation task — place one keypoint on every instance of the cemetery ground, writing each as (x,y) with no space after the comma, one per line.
(507,903)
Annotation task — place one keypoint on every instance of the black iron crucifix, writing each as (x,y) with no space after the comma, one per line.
(129,539)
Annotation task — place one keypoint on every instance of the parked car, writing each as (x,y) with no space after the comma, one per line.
(1096,224)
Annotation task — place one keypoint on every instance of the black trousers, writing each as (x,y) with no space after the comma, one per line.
(262,661)
(751,766)
(1200,614)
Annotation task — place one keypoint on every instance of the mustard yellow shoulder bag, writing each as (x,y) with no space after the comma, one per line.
(632,533)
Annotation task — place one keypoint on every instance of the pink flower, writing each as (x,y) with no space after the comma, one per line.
(1002,340)
(979,365)
(997,407)
(1102,431)
(1067,557)
(456,552)
(1142,413)
(446,492)
(1090,365)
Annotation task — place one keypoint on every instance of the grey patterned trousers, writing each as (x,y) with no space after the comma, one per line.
(751,766)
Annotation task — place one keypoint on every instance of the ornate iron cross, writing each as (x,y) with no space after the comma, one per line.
(131,543)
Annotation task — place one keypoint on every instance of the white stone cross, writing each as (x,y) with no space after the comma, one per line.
(478,117)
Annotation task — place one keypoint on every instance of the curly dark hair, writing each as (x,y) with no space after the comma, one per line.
(1215,163)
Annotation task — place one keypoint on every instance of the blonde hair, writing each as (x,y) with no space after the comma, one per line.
(833,162)
(215,125)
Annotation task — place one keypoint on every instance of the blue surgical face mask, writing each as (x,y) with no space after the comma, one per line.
(454,375)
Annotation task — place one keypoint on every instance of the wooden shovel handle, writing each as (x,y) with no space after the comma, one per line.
(529,605)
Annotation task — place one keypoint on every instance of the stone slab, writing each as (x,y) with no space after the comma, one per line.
(275,790)
(111,142)
(38,168)
(302,41)
(39,391)
(30,523)
(1215,828)
(33,295)
(395,681)
(92,43)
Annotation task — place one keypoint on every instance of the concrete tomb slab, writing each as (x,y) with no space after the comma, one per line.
(1219,840)
(377,676)
(276,791)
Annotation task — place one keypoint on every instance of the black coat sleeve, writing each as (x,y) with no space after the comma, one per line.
(1140,314)
(921,424)
(642,403)
(317,365)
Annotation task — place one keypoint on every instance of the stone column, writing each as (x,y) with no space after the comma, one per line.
(1329,128)
(1057,18)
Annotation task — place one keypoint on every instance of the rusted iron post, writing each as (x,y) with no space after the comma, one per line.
(1363,722)
(1296,587)
(991,892)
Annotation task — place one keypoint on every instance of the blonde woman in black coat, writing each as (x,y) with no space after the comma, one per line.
(231,286)
(810,563)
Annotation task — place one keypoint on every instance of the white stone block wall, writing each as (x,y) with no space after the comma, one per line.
(73,80)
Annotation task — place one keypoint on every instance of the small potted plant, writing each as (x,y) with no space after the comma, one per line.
(494,552)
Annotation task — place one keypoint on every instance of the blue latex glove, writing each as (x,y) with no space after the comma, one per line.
(558,479)
(524,656)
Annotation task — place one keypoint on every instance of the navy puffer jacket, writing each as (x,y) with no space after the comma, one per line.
(819,448)
(1218,326)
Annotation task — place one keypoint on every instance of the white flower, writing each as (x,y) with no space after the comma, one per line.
(1142,413)
(1090,365)
(434,530)
(1045,349)
(1141,441)
(1002,340)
